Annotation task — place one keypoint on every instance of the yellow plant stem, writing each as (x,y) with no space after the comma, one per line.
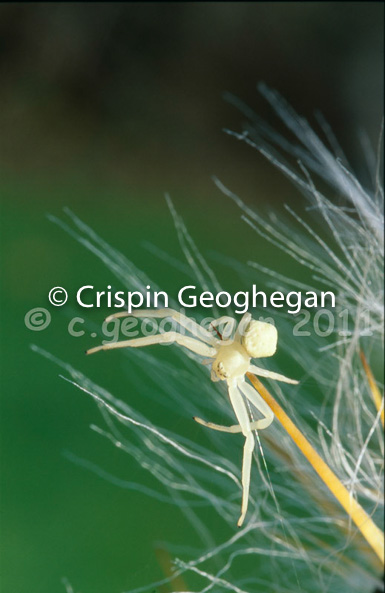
(378,398)
(368,528)
(166,564)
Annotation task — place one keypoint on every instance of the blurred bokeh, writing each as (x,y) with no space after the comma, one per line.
(103,108)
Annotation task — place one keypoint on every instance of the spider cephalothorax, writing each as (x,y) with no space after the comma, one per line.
(230,360)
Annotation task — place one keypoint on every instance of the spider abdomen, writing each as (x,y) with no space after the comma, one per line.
(260,339)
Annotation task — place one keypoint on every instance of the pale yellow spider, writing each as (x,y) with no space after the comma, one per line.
(230,361)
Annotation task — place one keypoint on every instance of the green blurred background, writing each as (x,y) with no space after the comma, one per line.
(103,108)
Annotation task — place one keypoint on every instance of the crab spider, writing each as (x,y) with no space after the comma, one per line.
(230,361)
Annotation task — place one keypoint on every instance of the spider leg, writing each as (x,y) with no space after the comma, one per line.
(243,419)
(166,338)
(257,401)
(254,370)
(235,428)
(242,326)
(197,330)
(228,328)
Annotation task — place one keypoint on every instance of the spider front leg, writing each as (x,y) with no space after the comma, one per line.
(243,419)
(253,396)
(197,330)
(244,322)
(166,338)
(229,323)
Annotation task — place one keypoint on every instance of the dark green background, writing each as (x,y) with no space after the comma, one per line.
(103,108)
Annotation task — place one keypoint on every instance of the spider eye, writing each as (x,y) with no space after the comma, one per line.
(260,339)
